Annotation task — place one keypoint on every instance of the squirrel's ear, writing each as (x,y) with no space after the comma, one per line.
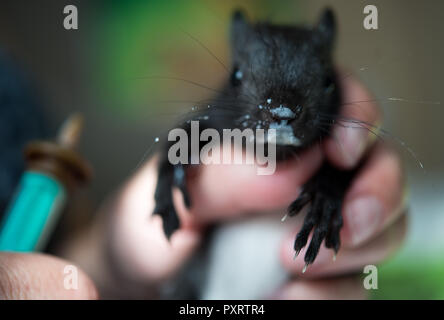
(326,27)
(240,27)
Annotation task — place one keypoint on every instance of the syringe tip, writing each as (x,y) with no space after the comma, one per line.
(69,133)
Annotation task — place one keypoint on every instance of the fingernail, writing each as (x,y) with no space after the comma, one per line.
(364,215)
(353,142)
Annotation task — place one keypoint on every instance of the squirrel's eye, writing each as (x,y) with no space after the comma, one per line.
(236,77)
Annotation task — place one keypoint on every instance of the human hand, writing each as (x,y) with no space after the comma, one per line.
(374,225)
(374,211)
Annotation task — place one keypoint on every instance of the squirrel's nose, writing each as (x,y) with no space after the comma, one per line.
(282,113)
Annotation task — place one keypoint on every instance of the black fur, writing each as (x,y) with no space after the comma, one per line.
(292,66)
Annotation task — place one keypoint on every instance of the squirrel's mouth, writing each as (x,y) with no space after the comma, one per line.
(282,134)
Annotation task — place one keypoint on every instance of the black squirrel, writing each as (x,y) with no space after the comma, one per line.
(274,69)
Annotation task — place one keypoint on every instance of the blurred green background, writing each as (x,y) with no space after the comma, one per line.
(98,70)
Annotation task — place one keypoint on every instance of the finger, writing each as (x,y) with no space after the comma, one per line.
(224,191)
(138,238)
(39,276)
(348,259)
(376,198)
(349,140)
(344,288)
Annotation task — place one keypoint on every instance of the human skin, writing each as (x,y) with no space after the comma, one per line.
(373,210)
(40,276)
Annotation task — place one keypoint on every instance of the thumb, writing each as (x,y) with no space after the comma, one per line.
(222,192)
